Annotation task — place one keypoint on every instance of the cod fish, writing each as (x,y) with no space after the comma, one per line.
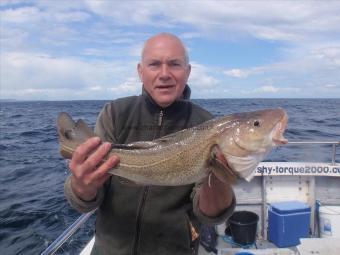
(230,147)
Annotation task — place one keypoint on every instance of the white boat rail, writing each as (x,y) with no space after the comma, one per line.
(55,245)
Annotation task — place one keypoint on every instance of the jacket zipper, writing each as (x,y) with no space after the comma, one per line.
(160,118)
(139,220)
(159,124)
(145,193)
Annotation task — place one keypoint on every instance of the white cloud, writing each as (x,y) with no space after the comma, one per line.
(71,16)
(9,2)
(237,73)
(91,48)
(330,54)
(319,66)
(37,73)
(96,88)
(143,11)
(330,86)
(201,77)
(12,37)
(21,15)
(136,50)
(34,15)
(190,35)
(269,88)
(272,91)
(274,33)
(284,20)
(299,22)
(131,85)
(61,6)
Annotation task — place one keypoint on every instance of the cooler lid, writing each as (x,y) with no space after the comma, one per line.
(290,207)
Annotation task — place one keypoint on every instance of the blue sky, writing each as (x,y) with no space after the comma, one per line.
(86,49)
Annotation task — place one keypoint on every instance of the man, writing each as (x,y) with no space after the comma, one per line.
(134,219)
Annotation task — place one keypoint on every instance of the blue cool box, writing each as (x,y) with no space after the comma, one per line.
(288,222)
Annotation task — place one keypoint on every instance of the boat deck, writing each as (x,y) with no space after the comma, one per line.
(262,247)
(308,246)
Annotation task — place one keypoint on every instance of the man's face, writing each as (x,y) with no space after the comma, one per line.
(163,70)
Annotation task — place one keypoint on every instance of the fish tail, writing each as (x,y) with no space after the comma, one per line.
(71,134)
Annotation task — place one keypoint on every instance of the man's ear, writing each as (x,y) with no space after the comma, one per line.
(140,71)
(188,71)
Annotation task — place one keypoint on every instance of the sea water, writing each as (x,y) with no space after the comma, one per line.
(33,210)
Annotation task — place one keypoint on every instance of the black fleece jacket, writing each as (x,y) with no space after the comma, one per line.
(145,219)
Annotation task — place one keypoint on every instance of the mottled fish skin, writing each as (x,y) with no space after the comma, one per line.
(184,157)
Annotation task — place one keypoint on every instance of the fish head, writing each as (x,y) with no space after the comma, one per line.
(249,137)
(259,130)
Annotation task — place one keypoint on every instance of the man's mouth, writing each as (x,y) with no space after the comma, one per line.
(164,86)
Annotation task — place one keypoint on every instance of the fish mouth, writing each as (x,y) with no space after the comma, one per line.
(278,130)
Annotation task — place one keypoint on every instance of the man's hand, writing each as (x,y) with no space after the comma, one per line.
(89,171)
(216,197)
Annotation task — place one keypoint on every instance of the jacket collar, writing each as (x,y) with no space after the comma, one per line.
(152,105)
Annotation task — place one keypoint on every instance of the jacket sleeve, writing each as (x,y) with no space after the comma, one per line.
(206,219)
(104,129)
(77,203)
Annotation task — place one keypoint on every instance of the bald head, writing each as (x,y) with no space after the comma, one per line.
(164,68)
(160,38)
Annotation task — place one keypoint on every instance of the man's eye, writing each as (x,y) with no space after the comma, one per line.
(175,64)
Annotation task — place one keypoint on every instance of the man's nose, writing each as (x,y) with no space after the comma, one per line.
(165,72)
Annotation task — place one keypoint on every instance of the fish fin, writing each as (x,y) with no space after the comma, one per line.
(71,134)
(220,167)
(181,137)
(65,124)
(176,137)
(84,129)
(65,121)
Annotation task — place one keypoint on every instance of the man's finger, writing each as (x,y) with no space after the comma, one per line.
(84,150)
(96,158)
(102,170)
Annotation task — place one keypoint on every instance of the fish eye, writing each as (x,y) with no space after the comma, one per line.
(256,123)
